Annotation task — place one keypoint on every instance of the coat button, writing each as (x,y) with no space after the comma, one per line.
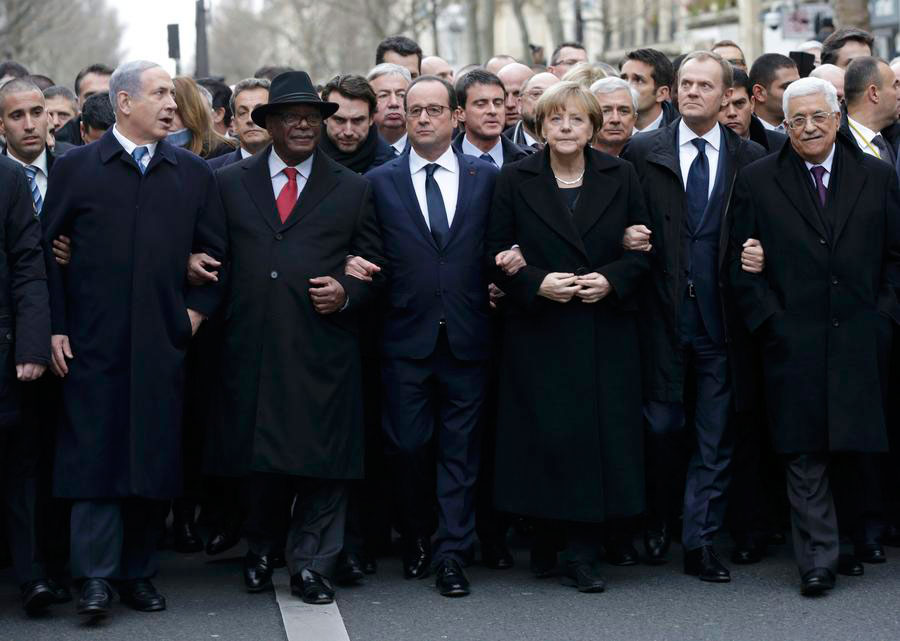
(273,275)
(9,337)
(834,281)
(835,322)
(821,241)
(278,236)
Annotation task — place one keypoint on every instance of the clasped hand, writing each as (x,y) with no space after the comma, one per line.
(561,287)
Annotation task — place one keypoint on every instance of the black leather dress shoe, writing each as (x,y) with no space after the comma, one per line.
(816,581)
(582,577)
(451,580)
(37,596)
(312,587)
(891,536)
(416,558)
(96,595)
(61,593)
(849,565)
(222,541)
(496,555)
(349,569)
(142,596)
(870,553)
(257,572)
(185,538)
(656,544)
(621,553)
(747,550)
(369,564)
(704,563)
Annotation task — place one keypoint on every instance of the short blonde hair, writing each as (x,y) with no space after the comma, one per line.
(558,96)
(585,74)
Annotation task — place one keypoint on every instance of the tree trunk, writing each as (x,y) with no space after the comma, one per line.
(551,10)
(472,40)
(852,13)
(487,27)
(519,12)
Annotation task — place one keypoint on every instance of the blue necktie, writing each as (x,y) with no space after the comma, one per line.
(138,155)
(697,190)
(437,213)
(31,173)
(489,158)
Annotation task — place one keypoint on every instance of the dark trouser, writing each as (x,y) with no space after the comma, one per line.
(18,460)
(491,524)
(814,523)
(708,469)
(315,533)
(583,542)
(115,538)
(856,481)
(436,398)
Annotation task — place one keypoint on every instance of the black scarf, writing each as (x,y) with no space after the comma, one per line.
(358,161)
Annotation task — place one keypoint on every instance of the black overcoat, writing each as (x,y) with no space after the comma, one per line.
(569,428)
(122,301)
(655,158)
(292,386)
(825,304)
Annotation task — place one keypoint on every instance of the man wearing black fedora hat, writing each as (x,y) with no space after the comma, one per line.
(291,389)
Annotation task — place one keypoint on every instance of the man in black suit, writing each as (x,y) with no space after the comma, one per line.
(432,206)
(247,95)
(687,170)
(389,82)
(90,81)
(514,76)
(523,133)
(737,115)
(824,307)
(482,98)
(770,75)
(651,74)
(292,398)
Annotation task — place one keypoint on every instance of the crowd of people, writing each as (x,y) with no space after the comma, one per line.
(577,304)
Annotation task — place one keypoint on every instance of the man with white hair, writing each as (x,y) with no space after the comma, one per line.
(122,317)
(618,103)
(389,82)
(834,75)
(814,47)
(824,307)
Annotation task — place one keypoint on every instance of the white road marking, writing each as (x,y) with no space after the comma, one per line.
(305,622)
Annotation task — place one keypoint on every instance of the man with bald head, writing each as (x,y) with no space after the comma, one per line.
(834,75)
(871,91)
(514,76)
(523,133)
(497,62)
(437,66)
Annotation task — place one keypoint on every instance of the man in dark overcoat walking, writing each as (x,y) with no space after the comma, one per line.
(135,207)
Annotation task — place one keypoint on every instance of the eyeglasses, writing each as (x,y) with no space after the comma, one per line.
(568,62)
(818,119)
(433,111)
(291,120)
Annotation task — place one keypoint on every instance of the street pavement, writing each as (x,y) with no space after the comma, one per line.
(762,603)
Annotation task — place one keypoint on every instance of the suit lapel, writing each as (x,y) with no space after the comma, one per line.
(665,151)
(844,188)
(403,182)
(259,185)
(788,179)
(322,179)
(540,193)
(597,192)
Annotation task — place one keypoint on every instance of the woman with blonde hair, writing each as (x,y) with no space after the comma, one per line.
(192,127)
(585,74)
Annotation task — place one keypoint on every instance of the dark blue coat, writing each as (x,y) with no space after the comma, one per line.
(225,159)
(425,283)
(122,301)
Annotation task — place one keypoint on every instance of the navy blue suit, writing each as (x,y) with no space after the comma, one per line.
(435,345)
(225,159)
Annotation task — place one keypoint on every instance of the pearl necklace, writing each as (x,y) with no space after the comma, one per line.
(570,182)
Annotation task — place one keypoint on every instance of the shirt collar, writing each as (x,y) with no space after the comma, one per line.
(130,146)
(825,163)
(447,161)
(277,165)
(653,125)
(40,163)
(400,145)
(861,129)
(779,127)
(495,152)
(713,137)
(527,136)
(245,153)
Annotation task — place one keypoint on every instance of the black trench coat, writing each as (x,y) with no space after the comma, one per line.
(122,301)
(825,305)
(292,377)
(569,427)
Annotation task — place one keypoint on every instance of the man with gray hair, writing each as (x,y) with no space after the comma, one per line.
(389,82)
(122,317)
(833,74)
(246,96)
(61,104)
(823,309)
(618,103)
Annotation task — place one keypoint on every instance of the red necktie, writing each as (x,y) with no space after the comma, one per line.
(288,196)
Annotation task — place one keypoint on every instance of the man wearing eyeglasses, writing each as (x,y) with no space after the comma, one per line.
(565,56)
(823,309)
(732,53)
(432,206)
(293,423)
(523,133)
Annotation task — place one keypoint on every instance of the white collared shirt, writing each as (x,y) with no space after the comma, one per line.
(653,125)
(129,146)
(446,176)
(687,151)
(40,176)
(279,179)
(779,127)
(245,153)
(496,152)
(826,164)
(863,137)
(527,136)
(400,145)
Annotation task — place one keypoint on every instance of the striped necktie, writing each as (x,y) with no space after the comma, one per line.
(31,173)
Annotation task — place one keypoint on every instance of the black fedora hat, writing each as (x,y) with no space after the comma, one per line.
(291,88)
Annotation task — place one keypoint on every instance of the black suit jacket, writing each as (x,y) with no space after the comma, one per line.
(771,141)
(511,151)
(223,160)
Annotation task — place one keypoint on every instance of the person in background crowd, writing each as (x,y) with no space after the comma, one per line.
(585,74)
(737,115)
(270,72)
(246,96)
(565,56)
(833,74)
(92,80)
(814,47)
(96,118)
(652,76)
(513,76)
(43,82)
(62,106)
(496,63)
(351,137)
(618,105)
(831,212)
(524,134)
(389,82)
(437,66)
(221,103)
(845,44)
(730,50)
(770,75)
(10,69)
(402,51)
(192,126)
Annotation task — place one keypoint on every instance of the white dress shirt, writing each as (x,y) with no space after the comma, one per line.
(400,145)
(779,127)
(496,152)
(279,180)
(863,136)
(245,153)
(687,151)
(40,176)
(129,146)
(656,124)
(826,164)
(446,176)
